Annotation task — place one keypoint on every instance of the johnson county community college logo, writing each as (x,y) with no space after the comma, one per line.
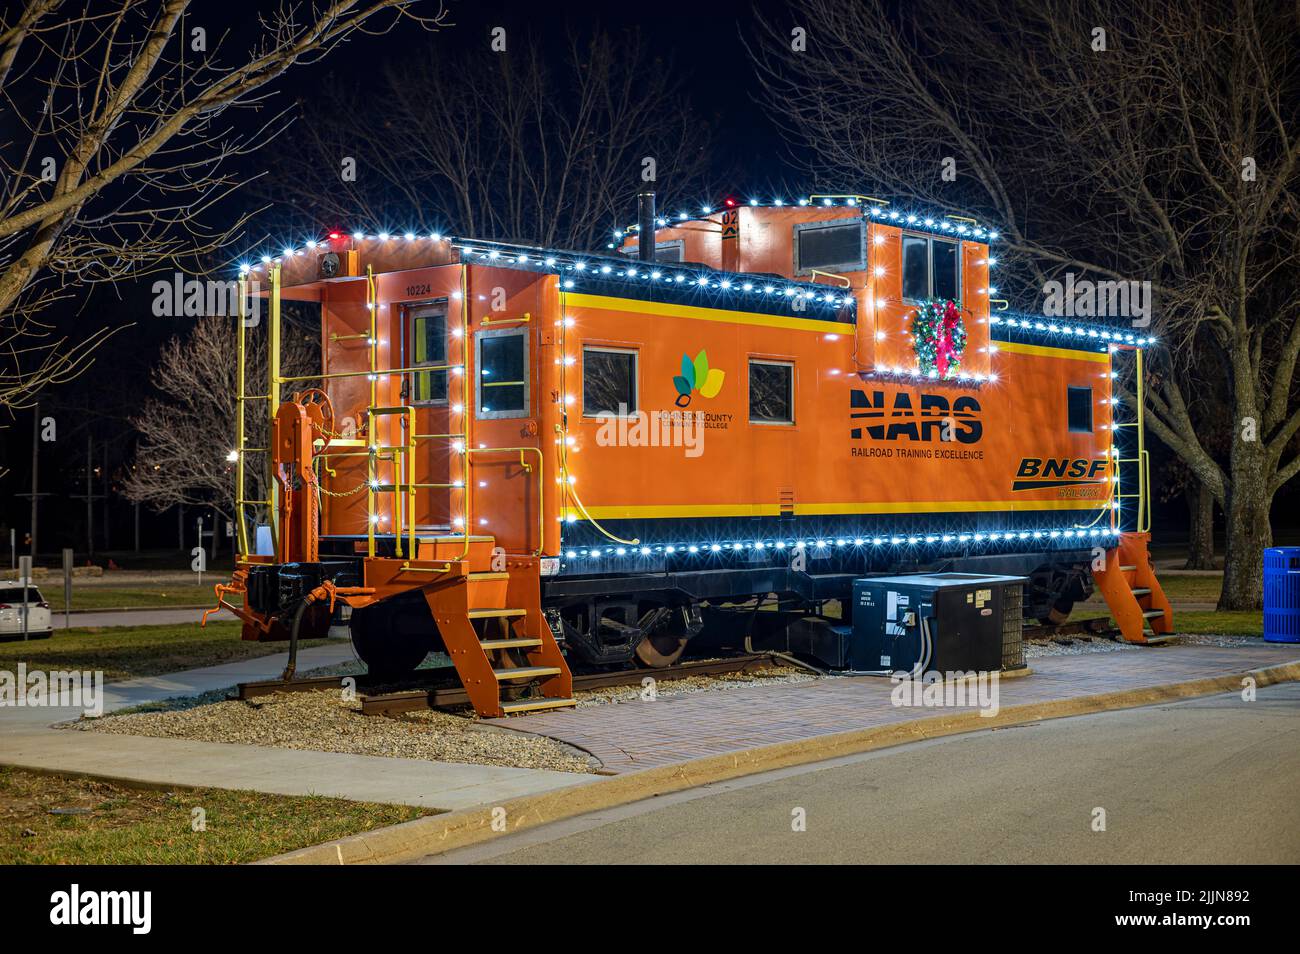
(697,377)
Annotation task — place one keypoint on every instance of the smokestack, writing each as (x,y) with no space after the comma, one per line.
(645,217)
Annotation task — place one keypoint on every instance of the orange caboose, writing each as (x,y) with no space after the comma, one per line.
(530,456)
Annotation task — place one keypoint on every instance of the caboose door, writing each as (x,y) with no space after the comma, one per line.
(504,452)
(425,338)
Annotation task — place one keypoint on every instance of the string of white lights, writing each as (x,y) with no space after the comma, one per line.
(874,209)
(693,549)
(1043,325)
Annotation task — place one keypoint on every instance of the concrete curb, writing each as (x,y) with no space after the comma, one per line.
(439,833)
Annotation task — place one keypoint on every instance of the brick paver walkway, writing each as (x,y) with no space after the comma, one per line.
(635,735)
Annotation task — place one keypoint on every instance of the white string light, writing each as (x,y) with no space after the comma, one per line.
(1043,325)
(913,219)
(858,542)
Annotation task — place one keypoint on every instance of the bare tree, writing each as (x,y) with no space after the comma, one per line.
(122,122)
(1155,142)
(188,433)
(514,150)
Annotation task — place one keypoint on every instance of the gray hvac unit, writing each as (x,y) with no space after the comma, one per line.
(945,622)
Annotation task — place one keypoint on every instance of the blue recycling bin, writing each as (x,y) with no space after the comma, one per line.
(1282,595)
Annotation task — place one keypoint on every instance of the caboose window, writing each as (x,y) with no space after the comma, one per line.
(830,245)
(916,268)
(502,384)
(664,251)
(608,381)
(429,347)
(1079,409)
(943,268)
(930,268)
(771,392)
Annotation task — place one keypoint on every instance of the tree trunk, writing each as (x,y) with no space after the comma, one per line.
(1200,544)
(1246,509)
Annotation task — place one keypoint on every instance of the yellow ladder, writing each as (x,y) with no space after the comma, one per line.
(1142,460)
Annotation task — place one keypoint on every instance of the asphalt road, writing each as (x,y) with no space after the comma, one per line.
(1213,780)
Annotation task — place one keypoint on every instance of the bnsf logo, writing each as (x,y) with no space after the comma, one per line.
(934,420)
(1057,472)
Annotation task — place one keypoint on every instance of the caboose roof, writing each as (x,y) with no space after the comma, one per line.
(612,273)
(906,215)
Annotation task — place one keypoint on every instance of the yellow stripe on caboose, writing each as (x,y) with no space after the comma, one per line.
(832,509)
(1043,351)
(670,310)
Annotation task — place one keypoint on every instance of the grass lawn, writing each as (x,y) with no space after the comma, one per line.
(1226,623)
(1191,588)
(137,597)
(123,652)
(1183,588)
(129,826)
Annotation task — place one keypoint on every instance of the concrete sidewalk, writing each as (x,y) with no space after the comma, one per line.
(674,729)
(28,741)
(177,615)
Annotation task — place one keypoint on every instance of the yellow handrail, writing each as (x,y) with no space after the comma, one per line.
(401,499)
(850,195)
(527,316)
(357,374)
(240,530)
(1144,487)
(1142,516)
(273,404)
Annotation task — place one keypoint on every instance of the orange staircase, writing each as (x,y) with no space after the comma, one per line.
(489,613)
(1133,594)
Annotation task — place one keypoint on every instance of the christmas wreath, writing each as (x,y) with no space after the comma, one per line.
(939,336)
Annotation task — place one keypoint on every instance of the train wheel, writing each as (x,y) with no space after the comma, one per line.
(1058,614)
(393,637)
(660,650)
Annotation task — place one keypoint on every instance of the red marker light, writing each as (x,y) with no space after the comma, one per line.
(730,203)
(335,235)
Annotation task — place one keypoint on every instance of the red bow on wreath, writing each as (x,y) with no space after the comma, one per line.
(945,348)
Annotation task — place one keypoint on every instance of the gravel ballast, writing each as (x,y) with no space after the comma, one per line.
(1080,645)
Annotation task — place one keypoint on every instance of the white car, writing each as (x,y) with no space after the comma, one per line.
(39,623)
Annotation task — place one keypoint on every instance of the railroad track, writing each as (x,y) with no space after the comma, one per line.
(433,694)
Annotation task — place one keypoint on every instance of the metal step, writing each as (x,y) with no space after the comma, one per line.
(488,613)
(529,705)
(521,643)
(1125,568)
(525,672)
(1141,591)
(1157,640)
(486,575)
(1152,614)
